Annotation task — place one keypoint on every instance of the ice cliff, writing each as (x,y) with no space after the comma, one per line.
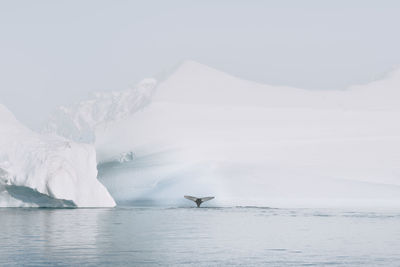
(46,170)
(202,131)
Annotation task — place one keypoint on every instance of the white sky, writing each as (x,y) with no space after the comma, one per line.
(56,52)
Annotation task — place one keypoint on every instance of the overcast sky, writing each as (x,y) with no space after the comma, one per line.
(56,52)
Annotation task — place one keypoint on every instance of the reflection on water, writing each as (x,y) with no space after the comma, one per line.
(206,236)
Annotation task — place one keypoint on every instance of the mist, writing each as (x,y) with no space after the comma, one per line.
(57,53)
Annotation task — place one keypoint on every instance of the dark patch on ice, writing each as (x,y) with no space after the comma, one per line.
(29,195)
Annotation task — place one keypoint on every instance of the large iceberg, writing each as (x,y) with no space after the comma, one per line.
(201,131)
(46,170)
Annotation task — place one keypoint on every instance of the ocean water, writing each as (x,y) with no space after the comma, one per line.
(245,236)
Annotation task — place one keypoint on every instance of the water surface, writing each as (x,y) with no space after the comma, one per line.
(132,236)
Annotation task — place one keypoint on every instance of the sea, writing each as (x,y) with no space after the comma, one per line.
(206,236)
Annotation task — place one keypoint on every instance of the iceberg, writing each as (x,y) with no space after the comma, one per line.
(201,131)
(79,121)
(39,170)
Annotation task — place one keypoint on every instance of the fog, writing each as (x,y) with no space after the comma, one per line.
(57,52)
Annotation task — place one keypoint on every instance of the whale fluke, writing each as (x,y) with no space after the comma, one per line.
(198,200)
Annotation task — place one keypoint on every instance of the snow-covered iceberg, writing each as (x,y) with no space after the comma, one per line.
(80,121)
(203,132)
(46,171)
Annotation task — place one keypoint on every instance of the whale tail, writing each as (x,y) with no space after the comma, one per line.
(198,200)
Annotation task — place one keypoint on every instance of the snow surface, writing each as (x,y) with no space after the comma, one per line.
(46,171)
(203,132)
(78,123)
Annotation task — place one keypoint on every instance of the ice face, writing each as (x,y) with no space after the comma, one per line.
(46,171)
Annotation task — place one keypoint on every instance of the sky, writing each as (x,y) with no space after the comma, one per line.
(56,52)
